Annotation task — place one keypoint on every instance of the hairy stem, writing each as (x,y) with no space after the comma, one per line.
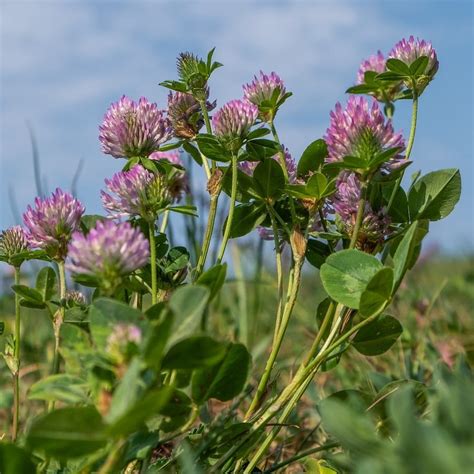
(16,374)
(281,156)
(288,309)
(211,219)
(411,141)
(230,217)
(360,215)
(154,284)
(279,270)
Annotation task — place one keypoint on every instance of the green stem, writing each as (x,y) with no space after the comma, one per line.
(154,284)
(281,156)
(314,348)
(16,374)
(205,114)
(279,270)
(59,316)
(230,217)
(279,339)
(303,454)
(411,141)
(360,215)
(211,219)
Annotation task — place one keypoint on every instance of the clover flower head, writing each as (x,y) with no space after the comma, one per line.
(133,128)
(75,298)
(233,121)
(345,202)
(13,241)
(50,224)
(108,252)
(361,130)
(136,192)
(375,63)
(185,115)
(178,182)
(261,93)
(411,49)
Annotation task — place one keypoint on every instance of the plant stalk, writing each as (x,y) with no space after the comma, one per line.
(230,217)
(16,355)
(411,141)
(154,284)
(293,293)
(360,215)
(211,219)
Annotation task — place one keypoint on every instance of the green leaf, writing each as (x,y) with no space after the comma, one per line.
(224,380)
(61,387)
(258,133)
(157,338)
(378,336)
(193,151)
(317,252)
(188,210)
(30,294)
(345,275)
(46,283)
(246,217)
(213,278)
(406,249)
(269,179)
(68,433)
(138,413)
(397,66)
(399,210)
(211,148)
(317,185)
(377,293)
(194,352)
(245,186)
(418,66)
(15,460)
(313,157)
(435,195)
(188,304)
(105,313)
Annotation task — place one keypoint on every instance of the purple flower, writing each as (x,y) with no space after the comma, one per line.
(261,93)
(233,121)
(178,183)
(136,192)
(52,221)
(248,167)
(133,129)
(13,241)
(375,224)
(411,49)
(375,63)
(108,252)
(185,115)
(361,130)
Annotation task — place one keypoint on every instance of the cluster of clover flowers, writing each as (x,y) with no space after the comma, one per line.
(153,180)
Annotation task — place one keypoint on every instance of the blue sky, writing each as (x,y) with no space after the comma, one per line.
(63,63)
